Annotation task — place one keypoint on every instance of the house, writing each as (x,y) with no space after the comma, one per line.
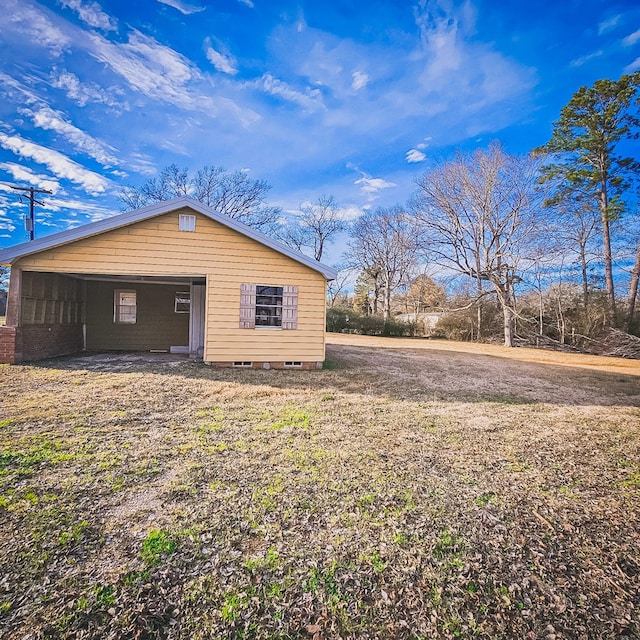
(176,276)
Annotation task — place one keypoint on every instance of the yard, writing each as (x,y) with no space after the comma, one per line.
(411,489)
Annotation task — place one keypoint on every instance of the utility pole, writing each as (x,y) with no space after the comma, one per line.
(30,222)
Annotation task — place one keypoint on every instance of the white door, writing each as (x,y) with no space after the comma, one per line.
(196,320)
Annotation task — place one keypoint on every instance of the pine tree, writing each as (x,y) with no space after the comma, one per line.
(584,147)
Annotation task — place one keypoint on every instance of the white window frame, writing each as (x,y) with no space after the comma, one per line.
(182,302)
(125,306)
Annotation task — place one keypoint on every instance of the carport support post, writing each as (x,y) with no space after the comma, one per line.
(14,298)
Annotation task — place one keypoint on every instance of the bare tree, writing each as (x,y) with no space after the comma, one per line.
(336,286)
(367,289)
(316,226)
(384,241)
(233,194)
(478,212)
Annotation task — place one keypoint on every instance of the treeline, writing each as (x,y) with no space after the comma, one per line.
(544,245)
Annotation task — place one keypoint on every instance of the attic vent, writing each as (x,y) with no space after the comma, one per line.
(186,222)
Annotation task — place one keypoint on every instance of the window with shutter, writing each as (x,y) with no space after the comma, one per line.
(268,306)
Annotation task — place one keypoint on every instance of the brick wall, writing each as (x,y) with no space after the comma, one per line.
(8,345)
(48,340)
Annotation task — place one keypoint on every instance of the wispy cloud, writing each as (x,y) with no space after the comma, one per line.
(310,99)
(247,3)
(369,185)
(23,174)
(222,62)
(631,39)
(164,75)
(59,164)
(460,74)
(578,62)
(360,80)
(150,68)
(11,85)
(83,93)
(183,7)
(35,25)
(78,210)
(415,155)
(634,66)
(49,119)
(91,14)
(609,24)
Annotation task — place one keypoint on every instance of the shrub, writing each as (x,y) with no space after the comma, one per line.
(341,320)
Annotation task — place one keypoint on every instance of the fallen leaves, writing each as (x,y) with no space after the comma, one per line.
(350,503)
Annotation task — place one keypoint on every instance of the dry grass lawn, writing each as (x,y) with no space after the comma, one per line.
(411,489)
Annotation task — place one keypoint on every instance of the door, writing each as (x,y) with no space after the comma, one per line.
(196,320)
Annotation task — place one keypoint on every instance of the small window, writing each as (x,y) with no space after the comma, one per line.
(293,364)
(183,302)
(242,364)
(124,306)
(186,222)
(268,306)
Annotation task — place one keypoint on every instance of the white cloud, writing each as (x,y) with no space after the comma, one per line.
(47,118)
(27,96)
(631,39)
(37,27)
(414,155)
(370,186)
(634,66)
(609,24)
(24,174)
(311,99)
(91,14)
(165,76)
(578,62)
(247,3)
(456,76)
(56,162)
(182,7)
(83,93)
(83,209)
(360,80)
(222,62)
(6,224)
(351,212)
(151,68)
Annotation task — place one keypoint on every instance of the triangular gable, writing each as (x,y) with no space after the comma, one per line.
(9,255)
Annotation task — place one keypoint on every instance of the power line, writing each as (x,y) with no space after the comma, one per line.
(30,222)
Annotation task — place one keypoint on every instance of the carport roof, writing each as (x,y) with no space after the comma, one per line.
(9,255)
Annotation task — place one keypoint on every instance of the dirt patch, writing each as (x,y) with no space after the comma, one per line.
(412,489)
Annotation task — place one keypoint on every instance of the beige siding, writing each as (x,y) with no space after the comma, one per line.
(227,259)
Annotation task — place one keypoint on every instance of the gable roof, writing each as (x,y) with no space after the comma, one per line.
(9,255)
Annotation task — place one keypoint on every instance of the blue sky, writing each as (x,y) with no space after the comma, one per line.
(351,98)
